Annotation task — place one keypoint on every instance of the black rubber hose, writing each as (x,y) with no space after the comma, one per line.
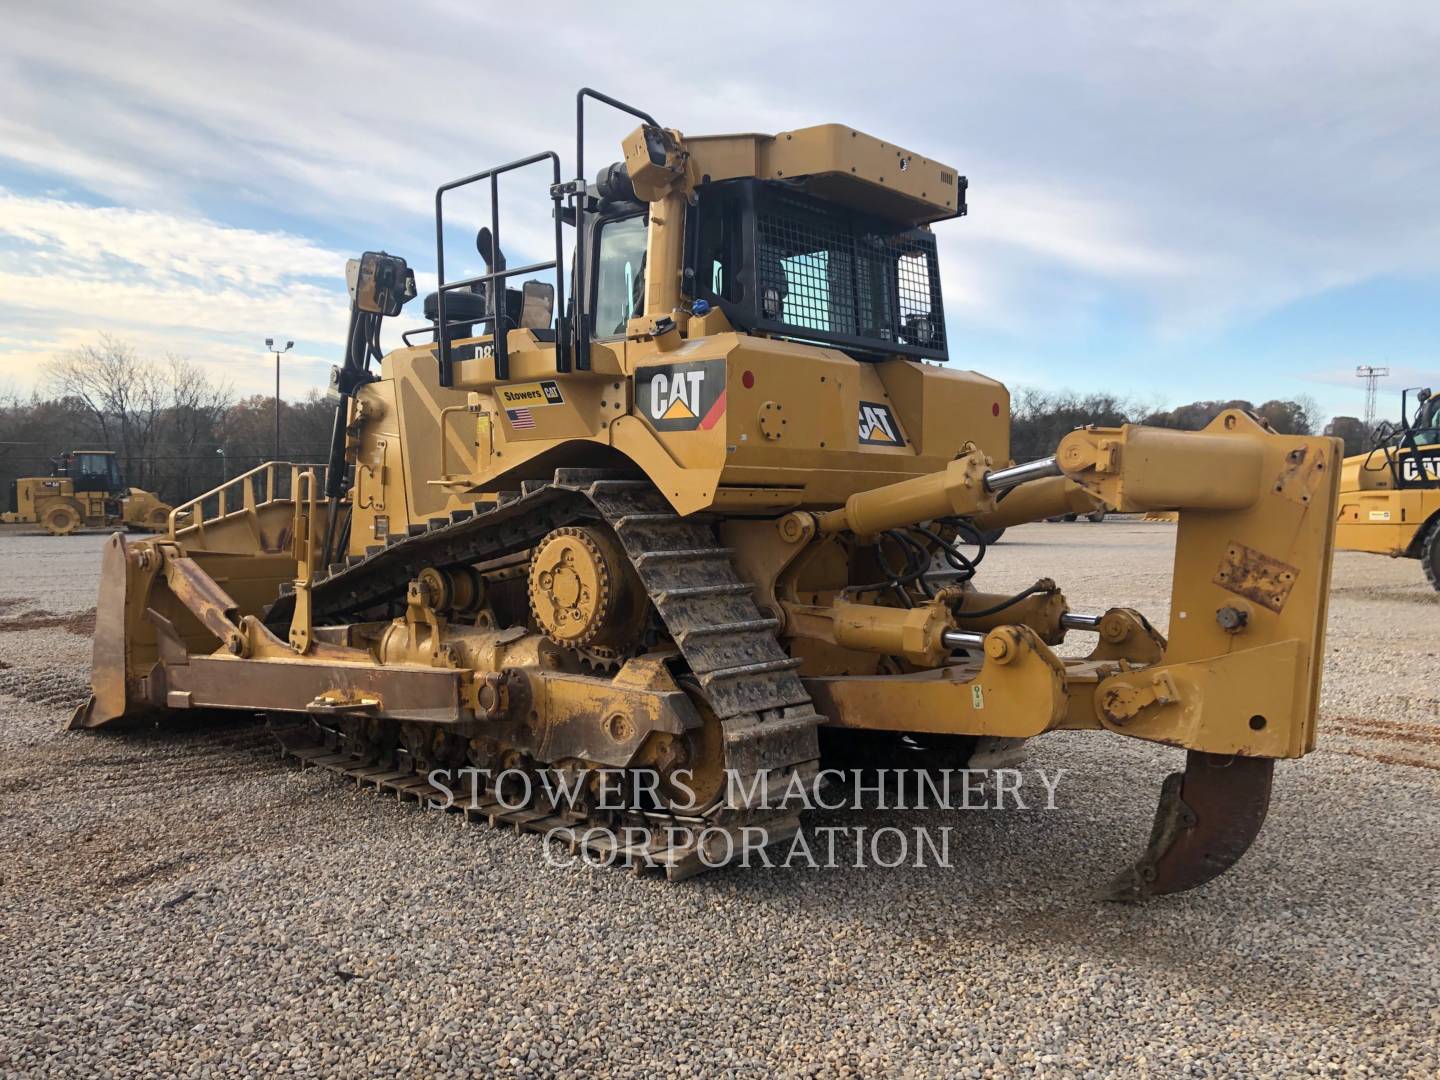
(956,558)
(915,567)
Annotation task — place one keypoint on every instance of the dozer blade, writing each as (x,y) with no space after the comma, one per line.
(109,657)
(1208,817)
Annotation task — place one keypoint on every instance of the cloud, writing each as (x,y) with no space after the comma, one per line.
(172,283)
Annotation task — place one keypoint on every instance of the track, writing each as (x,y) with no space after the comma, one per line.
(678,845)
(767,720)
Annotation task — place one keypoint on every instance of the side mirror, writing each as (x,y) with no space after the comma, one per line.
(537,305)
(380,284)
(654,160)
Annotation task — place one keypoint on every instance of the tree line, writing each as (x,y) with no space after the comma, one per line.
(177,432)
(1041,418)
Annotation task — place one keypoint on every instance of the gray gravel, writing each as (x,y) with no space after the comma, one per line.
(187,904)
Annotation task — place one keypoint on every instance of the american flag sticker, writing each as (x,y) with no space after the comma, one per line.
(521,418)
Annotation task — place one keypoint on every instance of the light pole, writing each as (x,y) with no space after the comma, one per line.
(270,345)
(224,468)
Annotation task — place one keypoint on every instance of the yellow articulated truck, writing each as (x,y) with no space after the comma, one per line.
(718,519)
(1390,496)
(83,491)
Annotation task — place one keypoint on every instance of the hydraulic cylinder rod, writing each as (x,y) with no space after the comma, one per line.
(963,639)
(1015,475)
(971,639)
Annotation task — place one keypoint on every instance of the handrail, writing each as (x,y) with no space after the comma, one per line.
(565,348)
(303,538)
(405,336)
(495,279)
(247,502)
(444,441)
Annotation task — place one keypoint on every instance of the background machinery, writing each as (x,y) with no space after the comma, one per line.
(84,490)
(1390,496)
(720,519)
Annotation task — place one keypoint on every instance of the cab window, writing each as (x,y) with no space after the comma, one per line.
(619,275)
(717,249)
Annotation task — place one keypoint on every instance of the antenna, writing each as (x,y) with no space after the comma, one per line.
(1371,375)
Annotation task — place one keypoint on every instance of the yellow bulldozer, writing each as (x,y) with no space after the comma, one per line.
(1390,495)
(84,491)
(716,523)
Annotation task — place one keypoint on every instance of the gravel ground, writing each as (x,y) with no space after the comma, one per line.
(187,904)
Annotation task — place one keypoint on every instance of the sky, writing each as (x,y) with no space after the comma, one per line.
(1168,200)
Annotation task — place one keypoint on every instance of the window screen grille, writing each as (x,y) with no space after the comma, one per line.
(828,271)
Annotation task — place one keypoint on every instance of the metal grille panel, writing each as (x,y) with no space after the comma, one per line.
(840,275)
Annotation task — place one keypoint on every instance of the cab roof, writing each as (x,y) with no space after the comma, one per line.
(840,164)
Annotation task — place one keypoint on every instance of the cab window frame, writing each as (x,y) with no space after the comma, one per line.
(595,244)
(724,221)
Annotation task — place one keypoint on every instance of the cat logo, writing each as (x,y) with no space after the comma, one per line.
(682,397)
(670,396)
(878,426)
(1420,471)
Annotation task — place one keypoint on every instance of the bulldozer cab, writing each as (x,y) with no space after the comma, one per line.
(92,470)
(820,235)
(778,261)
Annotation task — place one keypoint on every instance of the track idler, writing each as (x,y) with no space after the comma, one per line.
(1208,817)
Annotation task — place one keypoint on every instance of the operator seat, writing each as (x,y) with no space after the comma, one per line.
(463,306)
(460,306)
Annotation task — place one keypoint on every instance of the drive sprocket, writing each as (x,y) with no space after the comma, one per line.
(584,593)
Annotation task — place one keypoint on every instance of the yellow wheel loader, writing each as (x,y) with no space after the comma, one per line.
(713,523)
(84,491)
(1390,496)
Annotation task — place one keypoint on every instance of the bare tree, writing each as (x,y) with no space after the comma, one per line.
(1039,419)
(123,392)
(194,407)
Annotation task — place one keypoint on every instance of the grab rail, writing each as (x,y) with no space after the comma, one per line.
(239,495)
